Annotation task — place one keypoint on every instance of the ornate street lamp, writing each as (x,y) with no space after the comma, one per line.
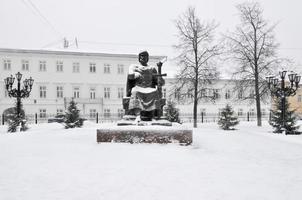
(283,91)
(18,93)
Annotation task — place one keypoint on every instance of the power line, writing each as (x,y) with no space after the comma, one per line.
(34,9)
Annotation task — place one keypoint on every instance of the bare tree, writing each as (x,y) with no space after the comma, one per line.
(197,51)
(253,47)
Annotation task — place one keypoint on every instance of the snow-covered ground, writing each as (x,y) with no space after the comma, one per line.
(48,162)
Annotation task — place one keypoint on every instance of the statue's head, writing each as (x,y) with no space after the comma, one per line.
(143,57)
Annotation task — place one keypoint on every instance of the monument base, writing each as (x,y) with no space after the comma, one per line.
(145,134)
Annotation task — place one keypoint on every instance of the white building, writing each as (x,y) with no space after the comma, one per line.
(224,93)
(96,81)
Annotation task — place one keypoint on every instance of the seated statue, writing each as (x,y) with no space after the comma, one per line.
(144,96)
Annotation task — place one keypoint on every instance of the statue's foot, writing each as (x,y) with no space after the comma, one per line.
(147,115)
(137,119)
(129,117)
(146,118)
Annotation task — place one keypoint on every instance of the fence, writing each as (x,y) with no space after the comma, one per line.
(214,117)
(114,117)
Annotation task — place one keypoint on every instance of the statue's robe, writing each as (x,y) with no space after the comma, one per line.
(144,95)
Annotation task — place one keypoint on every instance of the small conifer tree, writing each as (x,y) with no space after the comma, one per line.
(276,119)
(227,120)
(15,120)
(171,112)
(72,116)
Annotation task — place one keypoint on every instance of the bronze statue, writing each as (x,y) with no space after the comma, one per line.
(144,95)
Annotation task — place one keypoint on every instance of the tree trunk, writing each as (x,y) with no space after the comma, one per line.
(257,98)
(258,104)
(196,82)
(195,112)
(195,103)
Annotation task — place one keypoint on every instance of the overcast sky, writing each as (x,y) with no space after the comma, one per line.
(129,26)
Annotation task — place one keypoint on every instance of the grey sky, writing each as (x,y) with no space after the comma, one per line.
(129,26)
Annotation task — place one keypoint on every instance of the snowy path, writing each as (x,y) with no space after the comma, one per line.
(49,163)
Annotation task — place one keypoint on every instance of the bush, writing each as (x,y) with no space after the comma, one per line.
(14,120)
(72,116)
(171,112)
(290,118)
(227,118)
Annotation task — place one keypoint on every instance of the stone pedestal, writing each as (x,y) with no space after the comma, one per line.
(145,134)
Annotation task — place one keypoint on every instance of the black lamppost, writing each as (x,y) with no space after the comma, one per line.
(18,93)
(282,91)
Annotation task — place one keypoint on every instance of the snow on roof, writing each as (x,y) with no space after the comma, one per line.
(79,52)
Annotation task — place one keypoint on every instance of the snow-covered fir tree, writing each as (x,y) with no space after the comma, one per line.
(15,120)
(171,112)
(276,119)
(227,120)
(72,116)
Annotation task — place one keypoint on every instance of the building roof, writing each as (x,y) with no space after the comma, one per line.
(72,52)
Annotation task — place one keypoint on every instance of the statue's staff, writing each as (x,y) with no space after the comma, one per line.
(159,76)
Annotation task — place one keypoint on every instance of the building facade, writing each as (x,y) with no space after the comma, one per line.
(295,102)
(214,98)
(96,81)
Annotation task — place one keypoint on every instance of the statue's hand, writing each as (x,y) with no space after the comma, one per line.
(137,75)
(159,64)
(161,81)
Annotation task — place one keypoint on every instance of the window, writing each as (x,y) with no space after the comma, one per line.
(189,94)
(252,112)
(228,94)
(120,113)
(107,93)
(106,69)
(92,113)
(120,93)
(263,113)
(216,93)
(59,66)
(240,94)
(252,94)
(42,113)
(7,64)
(25,65)
(75,67)
(42,91)
(164,93)
(203,111)
(60,111)
(106,113)
(120,69)
(92,67)
(5,92)
(76,92)
(92,93)
(42,66)
(203,93)
(240,112)
(177,94)
(299,98)
(59,91)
